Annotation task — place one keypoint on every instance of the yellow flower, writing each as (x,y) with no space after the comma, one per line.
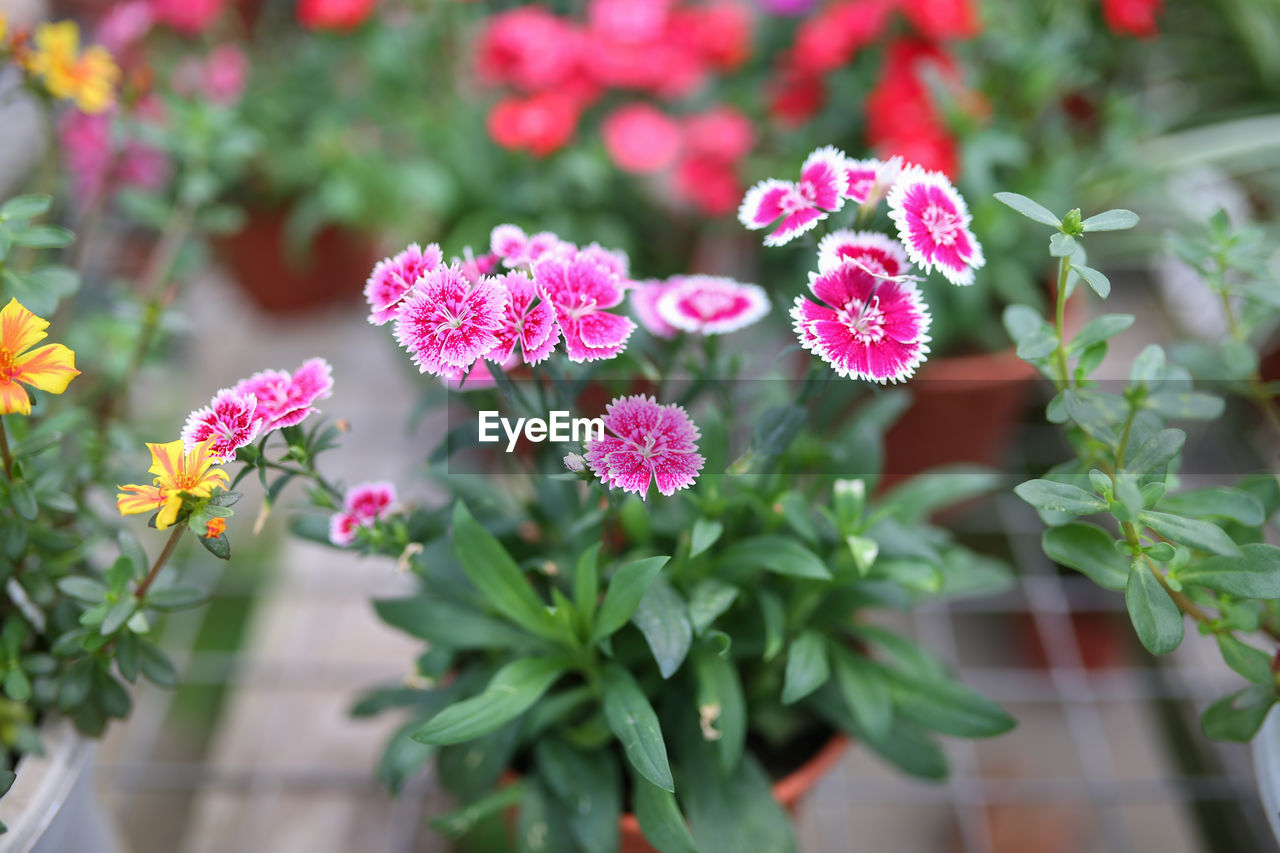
(88,78)
(214,528)
(176,472)
(4,28)
(49,368)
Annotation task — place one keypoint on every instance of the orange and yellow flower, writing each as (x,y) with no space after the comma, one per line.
(88,78)
(214,528)
(177,472)
(49,368)
(4,29)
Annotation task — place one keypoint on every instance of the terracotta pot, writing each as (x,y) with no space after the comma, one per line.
(789,791)
(965,409)
(332,270)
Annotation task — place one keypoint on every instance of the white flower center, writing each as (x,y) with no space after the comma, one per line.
(942,225)
(865,320)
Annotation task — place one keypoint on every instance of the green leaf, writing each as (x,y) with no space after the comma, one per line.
(947,707)
(729,812)
(176,598)
(663,619)
(774,614)
(1059,497)
(118,615)
(463,819)
(83,589)
(1239,716)
(1216,502)
(1021,320)
(1189,405)
(706,533)
(496,575)
(1033,210)
(1253,664)
(1061,245)
(543,823)
(1096,413)
(449,624)
(17,686)
(865,691)
(1038,344)
(660,818)
(1156,452)
(627,586)
(776,554)
(1118,219)
(589,784)
(721,705)
(633,722)
(1155,617)
(586,582)
(1097,280)
(1089,550)
(1253,574)
(1100,329)
(508,695)
(155,665)
(44,237)
(707,600)
(924,494)
(807,667)
(25,207)
(1197,534)
(24,499)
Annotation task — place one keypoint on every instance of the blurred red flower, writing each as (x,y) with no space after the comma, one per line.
(1132,17)
(344,15)
(641,138)
(541,123)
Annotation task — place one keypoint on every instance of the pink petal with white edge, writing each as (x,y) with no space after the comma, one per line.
(933,225)
(650,442)
(450,322)
(768,200)
(860,179)
(711,305)
(370,502)
(878,253)
(824,181)
(793,225)
(392,279)
(231,419)
(508,241)
(644,298)
(343,527)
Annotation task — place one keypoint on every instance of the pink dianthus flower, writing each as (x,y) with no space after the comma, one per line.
(648,443)
(711,305)
(821,190)
(392,279)
(231,419)
(285,399)
(363,506)
(447,322)
(933,225)
(581,288)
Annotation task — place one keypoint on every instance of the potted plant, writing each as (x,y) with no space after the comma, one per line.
(1175,552)
(662,626)
(84,592)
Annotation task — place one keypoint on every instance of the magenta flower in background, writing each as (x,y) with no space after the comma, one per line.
(878,253)
(363,506)
(644,298)
(721,133)
(190,17)
(821,191)
(448,322)
(124,25)
(285,399)
(532,325)
(649,443)
(226,72)
(231,418)
(392,279)
(517,249)
(641,138)
(97,163)
(933,225)
(580,288)
(474,268)
(867,328)
(711,305)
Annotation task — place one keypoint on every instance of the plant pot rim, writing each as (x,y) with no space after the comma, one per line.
(790,788)
(44,783)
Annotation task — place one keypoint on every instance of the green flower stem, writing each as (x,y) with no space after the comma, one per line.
(310,473)
(141,592)
(1063,379)
(4,452)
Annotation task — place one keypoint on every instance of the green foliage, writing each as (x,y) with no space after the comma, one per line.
(1174,552)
